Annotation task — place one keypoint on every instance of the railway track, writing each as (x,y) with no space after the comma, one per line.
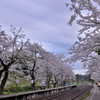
(74,94)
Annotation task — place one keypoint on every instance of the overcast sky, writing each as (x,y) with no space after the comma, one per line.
(43,21)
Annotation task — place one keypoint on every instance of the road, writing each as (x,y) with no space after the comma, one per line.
(95,94)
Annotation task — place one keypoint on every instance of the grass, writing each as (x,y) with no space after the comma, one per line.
(23,86)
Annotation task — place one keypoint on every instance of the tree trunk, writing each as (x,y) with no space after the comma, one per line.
(32,78)
(5,77)
(33,84)
(55,82)
(3,82)
(54,85)
(1,72)
(48,82)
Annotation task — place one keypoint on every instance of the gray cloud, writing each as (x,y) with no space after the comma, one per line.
(42,20)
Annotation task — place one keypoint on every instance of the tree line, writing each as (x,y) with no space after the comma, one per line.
(30,60)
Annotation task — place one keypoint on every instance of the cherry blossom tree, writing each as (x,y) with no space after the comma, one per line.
(53,68)
(47,68)
(85,48)
(95,76)
(94,65)
(46,72)
(86,13)
(11,47)
(34,54)
(61,70)
(65,73)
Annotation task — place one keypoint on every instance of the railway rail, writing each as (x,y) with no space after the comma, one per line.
(74,94)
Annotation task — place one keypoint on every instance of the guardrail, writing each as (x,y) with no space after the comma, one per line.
(35,94)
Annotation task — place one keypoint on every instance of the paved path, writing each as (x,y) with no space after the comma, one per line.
(95,94)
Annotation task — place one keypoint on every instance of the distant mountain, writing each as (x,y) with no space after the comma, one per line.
(83,77)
